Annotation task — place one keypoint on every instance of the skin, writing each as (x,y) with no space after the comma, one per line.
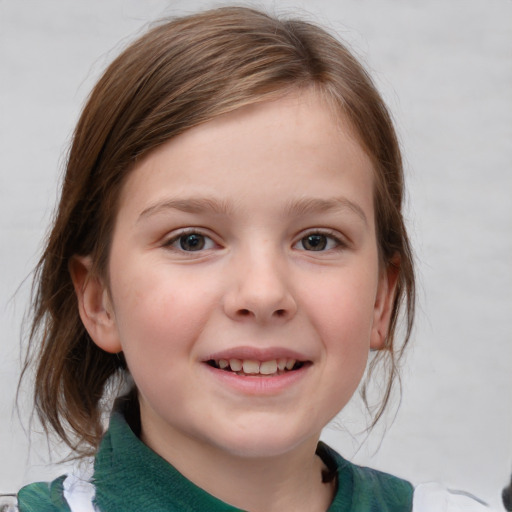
(251,186)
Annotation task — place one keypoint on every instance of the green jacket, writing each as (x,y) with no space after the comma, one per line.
(130,477)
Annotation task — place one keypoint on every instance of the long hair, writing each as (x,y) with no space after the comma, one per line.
(180,74)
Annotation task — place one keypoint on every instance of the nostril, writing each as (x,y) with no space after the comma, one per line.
(280,312)
(244,312)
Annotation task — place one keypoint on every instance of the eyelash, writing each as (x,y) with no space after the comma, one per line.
(331,236)
(206,242)
(179,237)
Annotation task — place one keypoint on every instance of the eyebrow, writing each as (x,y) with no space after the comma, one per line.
(307,205)
(188,205)
(303,206)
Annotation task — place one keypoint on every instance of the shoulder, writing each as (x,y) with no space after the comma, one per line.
(384,491)
(368,489)
(43,497)
(68,493)
(374,490)
(362,476)
(434,497)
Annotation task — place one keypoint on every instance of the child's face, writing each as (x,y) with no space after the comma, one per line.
(249,239)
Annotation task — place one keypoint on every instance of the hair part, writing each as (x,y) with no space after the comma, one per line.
(180,74)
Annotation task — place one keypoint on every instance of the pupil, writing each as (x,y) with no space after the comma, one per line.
(192,242)
(314,242)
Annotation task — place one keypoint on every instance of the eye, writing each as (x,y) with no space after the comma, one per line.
(318,242)
(191,242)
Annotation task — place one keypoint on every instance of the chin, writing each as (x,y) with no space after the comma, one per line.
(265,442)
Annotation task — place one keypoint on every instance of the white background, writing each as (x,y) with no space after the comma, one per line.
(445,68)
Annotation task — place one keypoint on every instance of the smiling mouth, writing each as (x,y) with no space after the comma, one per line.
(252,368)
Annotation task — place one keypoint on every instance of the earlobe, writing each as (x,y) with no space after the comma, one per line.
(94,304)
(384,303)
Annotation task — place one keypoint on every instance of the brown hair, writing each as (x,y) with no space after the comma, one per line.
(182,73)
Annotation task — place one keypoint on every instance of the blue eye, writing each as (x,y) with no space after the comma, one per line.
(318,242)
(191,242)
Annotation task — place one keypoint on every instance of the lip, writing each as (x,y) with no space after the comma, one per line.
(259,385)
(258,354)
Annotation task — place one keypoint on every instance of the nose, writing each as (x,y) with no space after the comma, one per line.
(260,288)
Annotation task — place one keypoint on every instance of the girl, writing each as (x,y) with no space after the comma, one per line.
(229,246)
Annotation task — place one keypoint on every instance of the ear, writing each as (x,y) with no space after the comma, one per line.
(384,301)
(94,305)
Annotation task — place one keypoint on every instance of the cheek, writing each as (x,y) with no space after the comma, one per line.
(342,310)
(342,316)
(158,315)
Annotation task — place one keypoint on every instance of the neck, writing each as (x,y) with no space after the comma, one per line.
(291,481)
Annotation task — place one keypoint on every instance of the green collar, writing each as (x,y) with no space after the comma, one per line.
(129,476)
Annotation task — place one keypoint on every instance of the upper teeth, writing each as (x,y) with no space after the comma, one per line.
(252,366)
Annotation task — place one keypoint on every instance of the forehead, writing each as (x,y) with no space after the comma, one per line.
(295,146)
